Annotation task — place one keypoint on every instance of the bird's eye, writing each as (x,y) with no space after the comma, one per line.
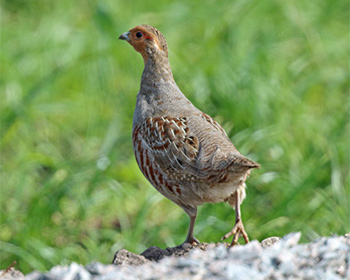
(138,35)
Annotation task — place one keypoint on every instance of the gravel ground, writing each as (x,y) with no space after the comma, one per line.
(325,258)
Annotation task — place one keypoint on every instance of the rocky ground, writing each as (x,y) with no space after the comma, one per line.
(325,258)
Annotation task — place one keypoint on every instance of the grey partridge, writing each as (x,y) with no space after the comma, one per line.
(184,153)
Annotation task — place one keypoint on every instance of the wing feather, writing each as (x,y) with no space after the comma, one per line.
(182,150)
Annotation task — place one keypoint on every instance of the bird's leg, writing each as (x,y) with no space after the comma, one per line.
(192,213)
(238,229)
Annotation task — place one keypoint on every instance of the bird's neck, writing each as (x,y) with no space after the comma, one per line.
(157,72)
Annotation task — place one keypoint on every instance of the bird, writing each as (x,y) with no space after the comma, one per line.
(184,153)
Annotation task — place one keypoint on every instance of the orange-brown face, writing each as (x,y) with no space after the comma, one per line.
(141,39)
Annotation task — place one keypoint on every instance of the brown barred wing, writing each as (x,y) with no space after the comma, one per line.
(165,150)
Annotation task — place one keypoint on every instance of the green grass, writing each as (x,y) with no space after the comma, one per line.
(274,73)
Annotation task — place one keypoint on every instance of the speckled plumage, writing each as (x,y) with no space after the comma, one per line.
(184,153)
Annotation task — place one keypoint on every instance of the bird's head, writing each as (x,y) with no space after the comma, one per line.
(146,40)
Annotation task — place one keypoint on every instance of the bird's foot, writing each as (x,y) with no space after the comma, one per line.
(189,242)
(237,231)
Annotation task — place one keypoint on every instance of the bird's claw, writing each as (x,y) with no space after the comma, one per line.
(237,231)
(192,241)
(189,242)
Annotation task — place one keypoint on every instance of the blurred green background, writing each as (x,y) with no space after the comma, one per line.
(273,73)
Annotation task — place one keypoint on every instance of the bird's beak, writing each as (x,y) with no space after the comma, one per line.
(125,36)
